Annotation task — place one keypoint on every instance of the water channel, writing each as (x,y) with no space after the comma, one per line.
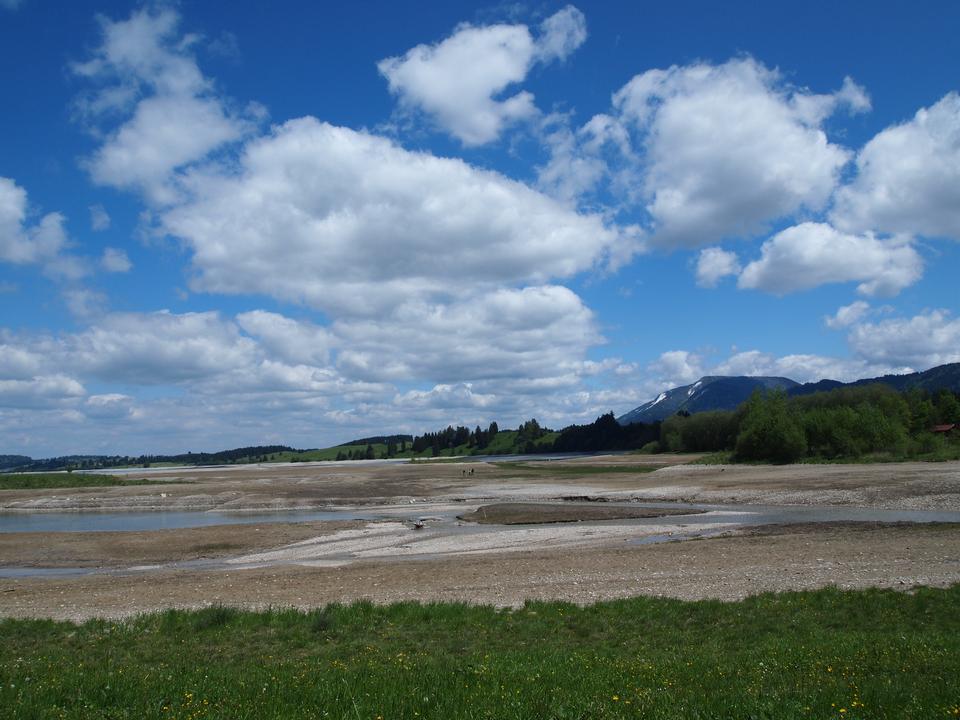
(744,515)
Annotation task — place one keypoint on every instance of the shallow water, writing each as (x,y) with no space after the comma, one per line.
(793,514)
(743,515)
(162,520)
(28,572)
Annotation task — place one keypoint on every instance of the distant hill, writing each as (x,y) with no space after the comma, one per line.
(726,393)
(94,462)
(942,377)
(714,392)
(8,462)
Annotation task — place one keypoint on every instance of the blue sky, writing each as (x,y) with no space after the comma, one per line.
(231,224)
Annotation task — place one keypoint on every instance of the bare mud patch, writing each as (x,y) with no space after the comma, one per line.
(542,513)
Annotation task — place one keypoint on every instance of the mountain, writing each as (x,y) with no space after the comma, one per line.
(942,377)
(714,392)
(726,393)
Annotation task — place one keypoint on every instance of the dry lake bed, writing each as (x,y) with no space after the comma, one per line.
(578,529)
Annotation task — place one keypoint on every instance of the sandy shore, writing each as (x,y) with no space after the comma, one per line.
(310,564)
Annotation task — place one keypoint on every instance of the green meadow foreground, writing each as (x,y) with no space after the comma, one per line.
(823,654)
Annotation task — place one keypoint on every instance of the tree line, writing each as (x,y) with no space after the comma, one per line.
(452,437)
(256,453)
(846,423)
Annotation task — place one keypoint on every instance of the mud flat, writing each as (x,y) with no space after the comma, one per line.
(319,486)
(726,568)
(113,550)
(605,555)
(918,486)
(541,513)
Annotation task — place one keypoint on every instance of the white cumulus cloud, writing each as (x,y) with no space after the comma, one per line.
(848,315)
(801,367)
(677,367)
(580,160)
(534,333)
(729,148)
(42,243)
(812,254)
(561,34)
(115,260)
(21,242)
(714,264)
(353,224)
(84,303)
(159,348)
(18,362)
(459,82)
(42,391)
(908,177)
(146,73)
(110,406)
(293,341)
(928,339)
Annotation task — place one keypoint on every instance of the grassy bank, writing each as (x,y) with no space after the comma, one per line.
(826,654)
(40,481)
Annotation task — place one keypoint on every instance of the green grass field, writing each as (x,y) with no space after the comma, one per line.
(825,654)
(24,481)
